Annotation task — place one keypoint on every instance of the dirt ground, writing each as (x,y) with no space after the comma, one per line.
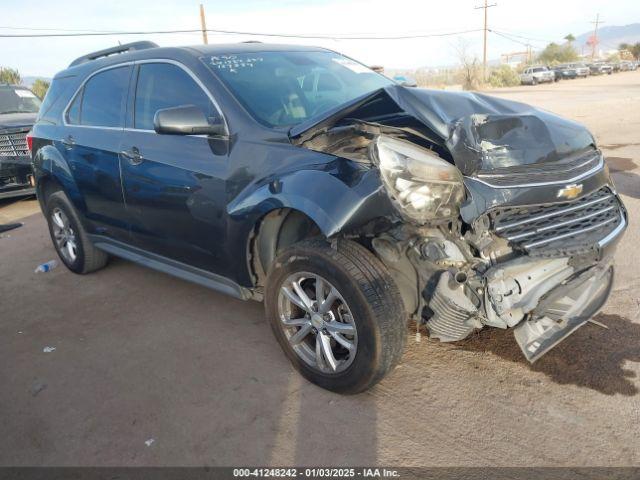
(151,370)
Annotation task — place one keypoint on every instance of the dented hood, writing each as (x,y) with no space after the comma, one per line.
(480,131)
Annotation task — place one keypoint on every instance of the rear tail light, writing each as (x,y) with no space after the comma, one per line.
(30,141)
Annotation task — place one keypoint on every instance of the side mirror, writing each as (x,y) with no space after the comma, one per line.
(185,120)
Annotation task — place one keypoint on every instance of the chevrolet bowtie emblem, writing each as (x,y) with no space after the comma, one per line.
(570,191)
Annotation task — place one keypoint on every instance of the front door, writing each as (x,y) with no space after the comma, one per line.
(174,185)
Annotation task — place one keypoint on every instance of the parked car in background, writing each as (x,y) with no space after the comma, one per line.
(535,75)
(564,72)
(626,66)
(405,81)
(582,69)
(18,110)
(347,216)
(600,68)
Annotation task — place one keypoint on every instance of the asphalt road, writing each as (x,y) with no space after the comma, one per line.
(151,370)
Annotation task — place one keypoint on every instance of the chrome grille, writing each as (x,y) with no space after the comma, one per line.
(14,144)
(566,226)
(563,171)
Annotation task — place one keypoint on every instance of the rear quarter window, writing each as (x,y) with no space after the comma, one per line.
(56,99)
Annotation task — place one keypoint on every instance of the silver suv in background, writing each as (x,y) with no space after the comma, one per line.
(582,70)
(535,75)
(600,68)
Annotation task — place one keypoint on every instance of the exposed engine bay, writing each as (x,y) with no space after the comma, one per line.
(507,216)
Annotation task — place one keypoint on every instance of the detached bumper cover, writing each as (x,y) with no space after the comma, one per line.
(563,311)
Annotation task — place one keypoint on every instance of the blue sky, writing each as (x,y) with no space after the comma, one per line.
(541,19)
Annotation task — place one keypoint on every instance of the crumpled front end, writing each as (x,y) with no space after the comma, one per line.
(542,269)
(520,234)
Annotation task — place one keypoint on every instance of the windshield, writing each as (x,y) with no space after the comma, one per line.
(18,100)
(286,88)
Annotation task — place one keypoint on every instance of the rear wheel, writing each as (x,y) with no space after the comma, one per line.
(336,313)
(69,238)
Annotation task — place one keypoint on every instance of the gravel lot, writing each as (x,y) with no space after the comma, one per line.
(151,370)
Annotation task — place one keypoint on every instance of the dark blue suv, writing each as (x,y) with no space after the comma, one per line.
(347,203)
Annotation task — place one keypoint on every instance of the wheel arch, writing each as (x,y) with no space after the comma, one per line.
(274,231)
(306,202)
(52,172)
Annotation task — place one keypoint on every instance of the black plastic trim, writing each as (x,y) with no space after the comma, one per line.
(171,267)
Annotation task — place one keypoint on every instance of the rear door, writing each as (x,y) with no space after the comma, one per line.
(174,185)
(94,126)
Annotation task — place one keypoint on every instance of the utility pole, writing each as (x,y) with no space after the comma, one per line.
(203,24)
(484,52)
(595,36)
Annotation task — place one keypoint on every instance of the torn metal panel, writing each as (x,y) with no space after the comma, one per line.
(479,131)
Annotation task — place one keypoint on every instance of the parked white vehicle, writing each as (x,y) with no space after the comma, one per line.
(535,75)
(582,70)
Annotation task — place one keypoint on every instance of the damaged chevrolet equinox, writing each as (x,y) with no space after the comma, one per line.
(347,203)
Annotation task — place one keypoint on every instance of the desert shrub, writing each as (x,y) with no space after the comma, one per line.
(504,76)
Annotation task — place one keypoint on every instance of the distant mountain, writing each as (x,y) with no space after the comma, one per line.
(28,81)
(612,36)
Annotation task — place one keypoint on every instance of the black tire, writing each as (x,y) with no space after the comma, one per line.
(88,258)
(373,299)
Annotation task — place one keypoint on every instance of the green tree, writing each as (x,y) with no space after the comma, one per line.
(554,53)
(635,50)
(40,87)
(570,38)
(10,75)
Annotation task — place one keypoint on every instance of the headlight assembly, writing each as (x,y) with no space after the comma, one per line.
(422,185)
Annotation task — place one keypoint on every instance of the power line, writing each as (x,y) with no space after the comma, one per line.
(508,37)
(506,32)
(235,32)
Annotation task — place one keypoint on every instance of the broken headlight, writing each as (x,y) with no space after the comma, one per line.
(422,185)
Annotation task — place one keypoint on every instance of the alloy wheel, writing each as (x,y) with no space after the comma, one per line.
(64,235)
(317,322)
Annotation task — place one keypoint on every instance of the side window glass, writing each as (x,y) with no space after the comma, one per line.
(163,85)
(103,98)
(73,114)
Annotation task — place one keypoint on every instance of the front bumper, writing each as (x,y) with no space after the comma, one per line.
(16,176)
(563,311)
(546,263)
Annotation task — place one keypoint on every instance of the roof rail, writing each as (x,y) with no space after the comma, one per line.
(127,47)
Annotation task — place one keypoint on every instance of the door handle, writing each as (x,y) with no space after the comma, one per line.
(133,156)
(68,142)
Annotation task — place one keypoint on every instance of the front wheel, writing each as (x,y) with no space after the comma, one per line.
(337,314)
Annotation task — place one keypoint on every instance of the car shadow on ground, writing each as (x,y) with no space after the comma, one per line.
(592,357)
(627,182)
